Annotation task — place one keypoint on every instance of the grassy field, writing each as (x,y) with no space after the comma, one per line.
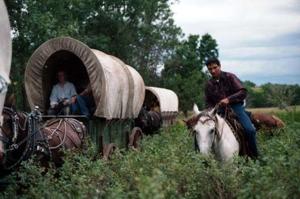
(275,109)
(168,167)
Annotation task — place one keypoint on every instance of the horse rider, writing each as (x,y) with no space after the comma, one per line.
(226,89)
(64,96)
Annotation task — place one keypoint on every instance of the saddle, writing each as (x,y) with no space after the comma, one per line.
(238,131)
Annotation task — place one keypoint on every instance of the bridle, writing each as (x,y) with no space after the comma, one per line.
(216,134)
(15,125)
(34,140)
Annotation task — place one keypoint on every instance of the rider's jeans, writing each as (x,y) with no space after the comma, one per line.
(250,131)
(81,105)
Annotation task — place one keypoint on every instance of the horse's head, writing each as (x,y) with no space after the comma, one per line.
(7,133)
(13,123)
(203,125)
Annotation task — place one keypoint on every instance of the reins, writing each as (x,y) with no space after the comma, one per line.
(217,134)
(55,131)
(32,140)
(15,123)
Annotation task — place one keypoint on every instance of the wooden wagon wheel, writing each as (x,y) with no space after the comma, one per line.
(108,150)
(135,137)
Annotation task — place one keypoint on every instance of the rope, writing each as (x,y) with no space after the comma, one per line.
(72,123)
(62,141)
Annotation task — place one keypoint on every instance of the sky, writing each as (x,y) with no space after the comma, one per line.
(259,40)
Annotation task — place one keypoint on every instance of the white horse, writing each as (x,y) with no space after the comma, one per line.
(213,134)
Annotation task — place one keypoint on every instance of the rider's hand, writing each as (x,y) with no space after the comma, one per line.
(224,102)
(53,105)
(66,102)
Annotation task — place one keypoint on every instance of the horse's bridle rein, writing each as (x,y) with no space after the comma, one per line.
(31,140)
(15,125)
(217,135)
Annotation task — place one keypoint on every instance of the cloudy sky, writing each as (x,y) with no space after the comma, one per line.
(259,40)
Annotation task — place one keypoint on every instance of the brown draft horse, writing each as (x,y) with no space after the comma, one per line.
(16,143)
(63,133)
(21,136)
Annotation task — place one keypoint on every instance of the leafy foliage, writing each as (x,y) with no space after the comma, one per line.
(184,74)
(276,95)
(168,167)
(141,33)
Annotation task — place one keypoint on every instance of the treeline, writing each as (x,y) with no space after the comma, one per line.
(272,95)
(141,33)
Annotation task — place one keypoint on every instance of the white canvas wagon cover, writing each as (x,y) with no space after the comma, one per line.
(117,88)
(167,99)
(5,52)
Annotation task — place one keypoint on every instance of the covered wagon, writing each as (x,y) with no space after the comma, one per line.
(118,90)
(164,101)
(5,53)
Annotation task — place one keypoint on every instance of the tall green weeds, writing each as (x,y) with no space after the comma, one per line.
(168,167)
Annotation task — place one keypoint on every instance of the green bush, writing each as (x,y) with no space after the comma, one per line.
(168,167)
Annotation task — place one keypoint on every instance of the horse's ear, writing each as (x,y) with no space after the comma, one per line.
(10,101)
(213,111)
(196,109)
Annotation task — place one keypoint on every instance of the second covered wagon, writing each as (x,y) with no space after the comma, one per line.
(164,101)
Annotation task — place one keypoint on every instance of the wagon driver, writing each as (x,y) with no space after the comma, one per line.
(226,89)
(64,93)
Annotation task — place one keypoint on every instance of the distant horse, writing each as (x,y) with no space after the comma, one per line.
(266,121)
(21,137)
(149,121)
(213,134)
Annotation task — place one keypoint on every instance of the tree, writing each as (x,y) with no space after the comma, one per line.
(249,84)
(183,72)
(141,33)
(208,48)
(34,22)
(281,96)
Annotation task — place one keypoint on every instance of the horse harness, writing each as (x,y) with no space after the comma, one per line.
(34,139)
(234,126)
(57,130)
(238,131)
(197,119)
